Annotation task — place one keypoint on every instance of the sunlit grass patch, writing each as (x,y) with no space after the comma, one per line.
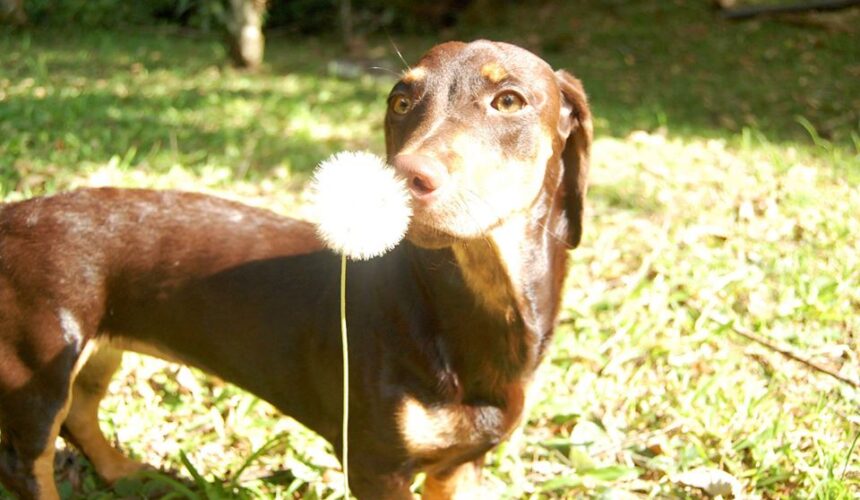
(648,368)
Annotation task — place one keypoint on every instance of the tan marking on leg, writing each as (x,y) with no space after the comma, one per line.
(428,430)
(461,484)
(43,465)
(43,472)
(82,421)
(494,72)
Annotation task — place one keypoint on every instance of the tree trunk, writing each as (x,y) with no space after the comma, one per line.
(346,23)
(12,11)
(245,32)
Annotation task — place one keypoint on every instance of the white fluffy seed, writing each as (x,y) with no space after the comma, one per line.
(361,207)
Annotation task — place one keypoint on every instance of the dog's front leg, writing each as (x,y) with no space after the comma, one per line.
(459,483)
(373,485)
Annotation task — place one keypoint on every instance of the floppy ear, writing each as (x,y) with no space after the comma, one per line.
(575,125)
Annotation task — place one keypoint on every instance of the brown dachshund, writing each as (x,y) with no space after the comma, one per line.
(446,330)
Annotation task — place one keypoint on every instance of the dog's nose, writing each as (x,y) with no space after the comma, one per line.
(424,175)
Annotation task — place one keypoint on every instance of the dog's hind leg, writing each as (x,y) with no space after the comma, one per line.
(81,427)
(35,379)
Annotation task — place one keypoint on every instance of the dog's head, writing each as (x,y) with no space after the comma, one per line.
(484,131)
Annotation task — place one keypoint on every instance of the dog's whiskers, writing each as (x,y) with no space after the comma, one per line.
(397,51)
(386,70)
(543,226)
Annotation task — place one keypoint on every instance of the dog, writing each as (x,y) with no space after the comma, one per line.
(446,330)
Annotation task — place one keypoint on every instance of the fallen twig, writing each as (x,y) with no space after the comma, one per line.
(739,13)
(788,353)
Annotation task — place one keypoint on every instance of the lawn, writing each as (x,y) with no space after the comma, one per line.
(725,197)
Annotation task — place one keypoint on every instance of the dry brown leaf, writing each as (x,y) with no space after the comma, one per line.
(714,482)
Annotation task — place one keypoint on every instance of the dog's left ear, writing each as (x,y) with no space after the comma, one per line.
(574,124)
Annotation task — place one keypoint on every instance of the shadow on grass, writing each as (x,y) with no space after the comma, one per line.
(77,479)
(157,98)
(157,104)
(678,64)
(98,125)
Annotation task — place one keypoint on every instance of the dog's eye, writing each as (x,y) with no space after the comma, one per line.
(400,104)
(508,102)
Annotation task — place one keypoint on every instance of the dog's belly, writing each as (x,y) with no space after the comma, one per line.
(141,347)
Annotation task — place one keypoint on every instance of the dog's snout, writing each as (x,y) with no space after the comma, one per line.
(424,175)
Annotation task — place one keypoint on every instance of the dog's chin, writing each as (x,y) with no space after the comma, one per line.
(428,237)
(436,235)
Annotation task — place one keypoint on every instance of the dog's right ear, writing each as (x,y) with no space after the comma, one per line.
(574,124)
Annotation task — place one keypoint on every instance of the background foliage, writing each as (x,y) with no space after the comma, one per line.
(298,16)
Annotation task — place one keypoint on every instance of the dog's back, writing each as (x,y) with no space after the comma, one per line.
(70,265)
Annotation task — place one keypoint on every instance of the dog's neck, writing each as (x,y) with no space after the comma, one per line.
(495,269)
(516,274)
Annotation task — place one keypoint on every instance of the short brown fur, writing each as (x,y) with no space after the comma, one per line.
(446,330)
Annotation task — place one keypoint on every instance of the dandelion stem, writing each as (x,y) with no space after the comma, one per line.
(345,344)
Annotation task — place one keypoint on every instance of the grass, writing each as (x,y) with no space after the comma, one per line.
(725,189)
